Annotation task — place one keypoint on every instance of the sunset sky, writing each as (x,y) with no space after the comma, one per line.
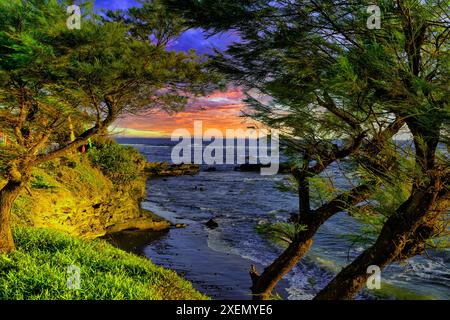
(220,110)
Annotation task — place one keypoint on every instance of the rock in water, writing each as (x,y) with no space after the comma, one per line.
(212,224)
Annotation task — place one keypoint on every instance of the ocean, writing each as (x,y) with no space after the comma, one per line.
(217,261)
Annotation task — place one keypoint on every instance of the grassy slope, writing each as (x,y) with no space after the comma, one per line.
(38,270)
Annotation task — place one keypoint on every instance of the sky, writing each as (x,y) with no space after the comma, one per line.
(220,110)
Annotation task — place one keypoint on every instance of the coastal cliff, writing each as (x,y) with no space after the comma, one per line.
(73,196)
(69,203)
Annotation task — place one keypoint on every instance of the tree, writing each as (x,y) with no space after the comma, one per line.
(421,55)
(341,92)
(52,78)
(151,22)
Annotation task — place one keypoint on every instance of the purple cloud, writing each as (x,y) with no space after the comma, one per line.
(192,39)
(115,4)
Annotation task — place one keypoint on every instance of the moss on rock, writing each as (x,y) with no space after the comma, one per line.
(73,196)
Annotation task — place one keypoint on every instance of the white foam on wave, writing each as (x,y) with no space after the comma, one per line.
(298,294)
(299,279)
(249,180)
(216,243)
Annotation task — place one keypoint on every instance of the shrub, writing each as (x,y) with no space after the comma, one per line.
(120,163)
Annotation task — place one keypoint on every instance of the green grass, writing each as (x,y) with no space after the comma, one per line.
(38,270)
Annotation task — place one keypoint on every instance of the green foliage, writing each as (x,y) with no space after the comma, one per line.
(315,71)
(151,22)
(121,164)
(340,92)
(39,182)
(281,233)
(38,271)
(323,189)
(384,201)
(22,208)
(288,184)
(49,73)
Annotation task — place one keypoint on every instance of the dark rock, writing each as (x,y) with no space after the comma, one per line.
(249,167)
(284,168)
(211,169)
(164,169)
(212,224)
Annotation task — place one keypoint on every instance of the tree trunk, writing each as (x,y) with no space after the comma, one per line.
(401,226)
(264,284)
(392,240)
(8,195)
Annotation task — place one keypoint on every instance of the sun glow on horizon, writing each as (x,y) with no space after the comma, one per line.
(220,110)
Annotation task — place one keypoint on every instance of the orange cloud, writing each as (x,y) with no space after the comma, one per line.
(220,110)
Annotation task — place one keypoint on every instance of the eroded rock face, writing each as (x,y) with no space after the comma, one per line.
(82,202)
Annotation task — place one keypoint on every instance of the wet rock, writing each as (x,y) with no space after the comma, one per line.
(163,169)
(249,167)
(284,168)
(180,225)
(212,224)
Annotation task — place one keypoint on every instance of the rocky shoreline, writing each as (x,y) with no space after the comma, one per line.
(148,221)
(164,169)
(91,206)
(88,207)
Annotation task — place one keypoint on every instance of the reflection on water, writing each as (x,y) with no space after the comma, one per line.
(134,241)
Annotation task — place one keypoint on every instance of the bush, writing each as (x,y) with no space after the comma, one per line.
(121,164)
(38,270)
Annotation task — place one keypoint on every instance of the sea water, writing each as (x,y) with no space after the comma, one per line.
(217,261)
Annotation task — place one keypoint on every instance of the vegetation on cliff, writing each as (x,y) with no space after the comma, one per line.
(60,87)
(122,164)
(71,200)
(88,195)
